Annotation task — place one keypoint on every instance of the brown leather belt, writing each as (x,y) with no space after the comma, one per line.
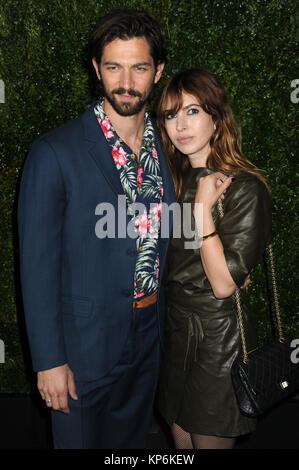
(145,302)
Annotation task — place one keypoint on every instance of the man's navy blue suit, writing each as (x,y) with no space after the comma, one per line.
(77,288)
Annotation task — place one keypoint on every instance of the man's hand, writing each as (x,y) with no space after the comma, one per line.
(246,282)
(54,386)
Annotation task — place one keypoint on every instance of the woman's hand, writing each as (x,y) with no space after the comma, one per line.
(210,188)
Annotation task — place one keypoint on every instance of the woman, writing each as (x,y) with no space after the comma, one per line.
(202,144)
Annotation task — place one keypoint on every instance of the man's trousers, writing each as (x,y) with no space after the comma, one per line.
(115,411)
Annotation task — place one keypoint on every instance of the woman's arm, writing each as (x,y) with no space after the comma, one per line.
(213,260)
(210,188)
(244,231)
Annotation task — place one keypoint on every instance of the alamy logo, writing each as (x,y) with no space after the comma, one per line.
(123,221)
(2,352)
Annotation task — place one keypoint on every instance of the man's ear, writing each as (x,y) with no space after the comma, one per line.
(96,67)
(159,72)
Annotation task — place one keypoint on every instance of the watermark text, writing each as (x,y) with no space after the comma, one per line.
(137,221)
(2,92)
(295,353)
(2,352)
(295,93)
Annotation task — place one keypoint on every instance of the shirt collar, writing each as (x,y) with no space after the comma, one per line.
(99,110)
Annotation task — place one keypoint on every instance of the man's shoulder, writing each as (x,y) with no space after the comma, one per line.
(66,132)
(69,133)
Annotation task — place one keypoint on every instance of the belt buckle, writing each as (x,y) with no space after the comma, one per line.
(137,302)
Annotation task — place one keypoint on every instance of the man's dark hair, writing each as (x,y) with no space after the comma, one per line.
(127,24)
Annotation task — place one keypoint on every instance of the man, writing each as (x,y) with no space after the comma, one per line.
(94,303)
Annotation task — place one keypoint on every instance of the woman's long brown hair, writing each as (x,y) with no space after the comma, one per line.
(225,143)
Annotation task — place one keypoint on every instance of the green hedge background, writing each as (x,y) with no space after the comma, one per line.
(250,44)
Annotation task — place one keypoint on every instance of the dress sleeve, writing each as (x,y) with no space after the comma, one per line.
(245,229)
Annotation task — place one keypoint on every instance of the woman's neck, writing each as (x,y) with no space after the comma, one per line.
(197,162)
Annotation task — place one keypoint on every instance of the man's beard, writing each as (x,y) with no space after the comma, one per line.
(127,109)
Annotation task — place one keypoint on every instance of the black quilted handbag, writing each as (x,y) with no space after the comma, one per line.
(269,374)
(266,376)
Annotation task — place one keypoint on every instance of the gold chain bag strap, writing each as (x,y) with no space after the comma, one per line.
(267,375)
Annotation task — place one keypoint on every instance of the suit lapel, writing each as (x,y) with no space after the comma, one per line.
(99,150)
(168,186)
(169,192)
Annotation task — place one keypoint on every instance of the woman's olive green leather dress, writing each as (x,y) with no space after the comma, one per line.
(201,332)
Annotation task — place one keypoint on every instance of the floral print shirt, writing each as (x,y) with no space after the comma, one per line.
(142,183)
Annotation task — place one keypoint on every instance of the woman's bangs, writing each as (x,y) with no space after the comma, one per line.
(172,101)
